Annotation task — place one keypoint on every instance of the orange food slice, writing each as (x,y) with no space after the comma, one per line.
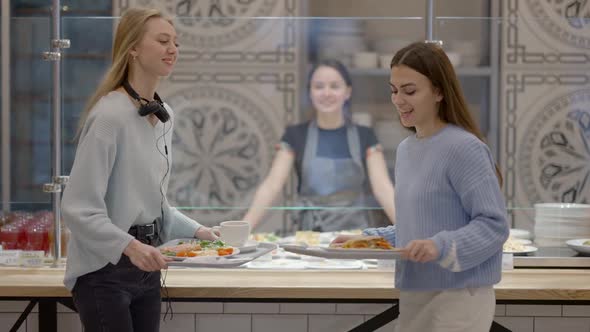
(225,251)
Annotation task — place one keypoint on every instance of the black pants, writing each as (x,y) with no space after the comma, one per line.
(119,298)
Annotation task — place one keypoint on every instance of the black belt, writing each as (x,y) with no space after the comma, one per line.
(145,233)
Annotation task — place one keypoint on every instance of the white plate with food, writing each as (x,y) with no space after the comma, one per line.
(265,237)
(522,250)
(181,249)
(357,248)
(341,253)
(208,253)
(580,245)
(363,244)
(236,259)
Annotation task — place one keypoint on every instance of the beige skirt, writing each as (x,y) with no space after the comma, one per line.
(453,310)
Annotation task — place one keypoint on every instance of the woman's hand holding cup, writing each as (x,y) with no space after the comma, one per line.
(206,233)
(234,232)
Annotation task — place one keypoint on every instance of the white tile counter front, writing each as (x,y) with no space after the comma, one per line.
(301,317)
(269,293)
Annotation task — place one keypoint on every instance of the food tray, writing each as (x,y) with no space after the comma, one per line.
(222,262)
(579,246)
(343,253)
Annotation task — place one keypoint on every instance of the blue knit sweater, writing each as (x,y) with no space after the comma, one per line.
(446,190)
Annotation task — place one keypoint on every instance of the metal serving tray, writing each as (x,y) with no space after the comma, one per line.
(222,262)
(343,253)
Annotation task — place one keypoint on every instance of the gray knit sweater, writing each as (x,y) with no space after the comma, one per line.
(114,184)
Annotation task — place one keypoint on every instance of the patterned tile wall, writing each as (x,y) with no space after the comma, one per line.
(545,112)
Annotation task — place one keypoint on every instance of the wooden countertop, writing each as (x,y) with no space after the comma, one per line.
(524,284)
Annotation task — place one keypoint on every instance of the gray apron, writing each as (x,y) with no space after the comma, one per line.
(337,184)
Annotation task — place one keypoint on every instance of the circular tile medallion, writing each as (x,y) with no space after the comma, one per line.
(566,21)
(215,23)
(554,154)
(223,148)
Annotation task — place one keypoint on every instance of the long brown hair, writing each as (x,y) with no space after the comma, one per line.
(130,31)
(430,60)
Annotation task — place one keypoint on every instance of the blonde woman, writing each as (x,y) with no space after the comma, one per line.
(115,201)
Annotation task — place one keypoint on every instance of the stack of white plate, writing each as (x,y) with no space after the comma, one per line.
(341,38)
(556,223)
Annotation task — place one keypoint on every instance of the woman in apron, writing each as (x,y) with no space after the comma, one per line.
(337,162)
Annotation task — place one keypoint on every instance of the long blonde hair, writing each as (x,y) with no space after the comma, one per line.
(130,31)
(431,61)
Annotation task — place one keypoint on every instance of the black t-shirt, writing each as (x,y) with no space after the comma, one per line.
(332,143)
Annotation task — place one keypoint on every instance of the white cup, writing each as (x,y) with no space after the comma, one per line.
(235,232)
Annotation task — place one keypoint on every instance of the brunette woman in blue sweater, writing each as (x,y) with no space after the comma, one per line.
(450,213)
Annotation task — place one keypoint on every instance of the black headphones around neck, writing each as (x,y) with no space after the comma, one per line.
(147,107)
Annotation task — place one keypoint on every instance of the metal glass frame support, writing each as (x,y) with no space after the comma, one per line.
(58,181)
(429,21)
(5,108)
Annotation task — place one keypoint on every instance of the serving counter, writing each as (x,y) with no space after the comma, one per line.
(538,286)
